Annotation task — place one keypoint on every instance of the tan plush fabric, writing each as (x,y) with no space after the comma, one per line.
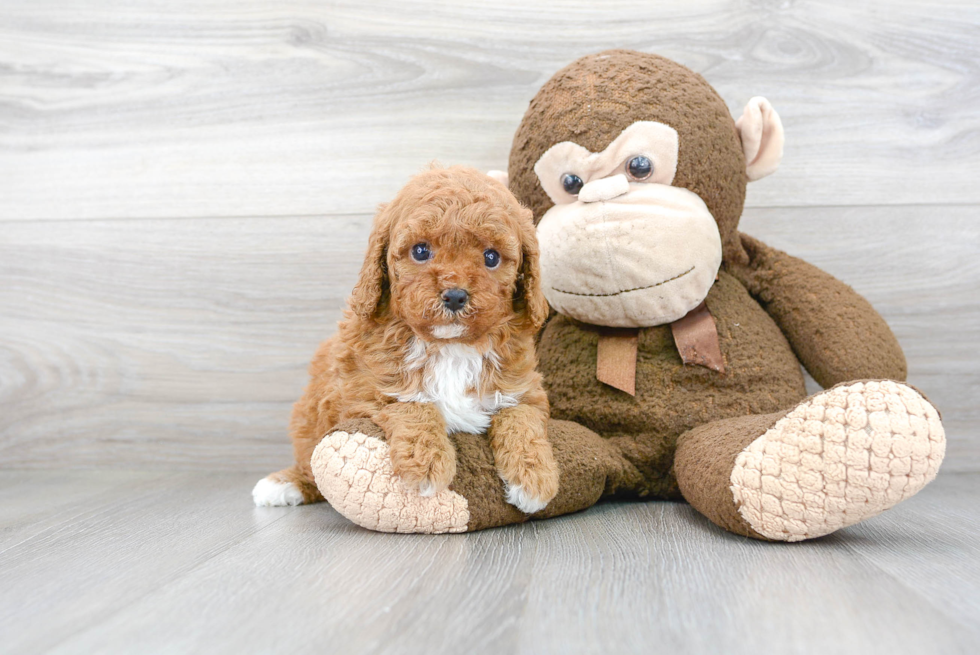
(761,132)
(843,456)
(655,140)
(641,259)
(603,189)
(353,471)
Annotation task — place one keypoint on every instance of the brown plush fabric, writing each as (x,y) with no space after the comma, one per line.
(593,99)
(762,376)
(704,461)
(478,482)
(362,425)
(589,464)
(585,460)
(834,331)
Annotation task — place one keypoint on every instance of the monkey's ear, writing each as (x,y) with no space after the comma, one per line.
(761,133)
(529,300)
(372,284)
(500,176)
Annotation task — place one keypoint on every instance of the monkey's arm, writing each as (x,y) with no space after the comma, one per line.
(836,334)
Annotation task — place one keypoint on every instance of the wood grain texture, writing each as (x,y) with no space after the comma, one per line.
(257,108)
(153,571)
(182,343)
(32,502)
(164,343)
(940,536)
(99,554)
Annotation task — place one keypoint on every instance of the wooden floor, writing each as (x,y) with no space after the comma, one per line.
(185,193)
(137,562)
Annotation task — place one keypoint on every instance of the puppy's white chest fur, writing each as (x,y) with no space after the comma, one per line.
(450,380)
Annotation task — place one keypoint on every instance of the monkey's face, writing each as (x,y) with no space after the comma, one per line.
(622,247)
(633,232)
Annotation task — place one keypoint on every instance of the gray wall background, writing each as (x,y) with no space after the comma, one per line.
(185,189)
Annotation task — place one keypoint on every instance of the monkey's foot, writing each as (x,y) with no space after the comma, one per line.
(841,456)
(353,471)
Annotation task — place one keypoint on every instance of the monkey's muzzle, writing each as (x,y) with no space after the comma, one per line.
(635,258)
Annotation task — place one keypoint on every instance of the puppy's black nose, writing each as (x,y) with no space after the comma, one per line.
(455,299)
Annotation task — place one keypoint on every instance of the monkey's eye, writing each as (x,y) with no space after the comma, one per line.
(491,258)
(421,252)
(640,167)
(572,183)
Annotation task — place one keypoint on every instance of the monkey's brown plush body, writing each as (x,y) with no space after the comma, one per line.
(636,175)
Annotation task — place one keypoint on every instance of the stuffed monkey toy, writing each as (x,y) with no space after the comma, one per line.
(673,355)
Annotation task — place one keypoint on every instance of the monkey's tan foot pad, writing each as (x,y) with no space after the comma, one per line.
(353,472)
(841,456)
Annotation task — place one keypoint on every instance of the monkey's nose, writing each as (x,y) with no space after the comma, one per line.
(455,299)
(605,188)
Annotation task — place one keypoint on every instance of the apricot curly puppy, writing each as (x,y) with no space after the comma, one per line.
(438,338)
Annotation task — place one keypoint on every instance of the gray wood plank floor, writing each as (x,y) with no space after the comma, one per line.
(156,563)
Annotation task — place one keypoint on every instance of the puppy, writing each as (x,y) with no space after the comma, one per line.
(438,337)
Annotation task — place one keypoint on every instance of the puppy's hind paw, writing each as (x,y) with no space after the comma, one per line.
(519,497)
(275,493)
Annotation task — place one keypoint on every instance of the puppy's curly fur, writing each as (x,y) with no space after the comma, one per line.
(405,359)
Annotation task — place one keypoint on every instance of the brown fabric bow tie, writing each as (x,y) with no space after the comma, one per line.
(695,335)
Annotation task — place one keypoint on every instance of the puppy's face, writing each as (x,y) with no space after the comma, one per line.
(460,259)
(453,270)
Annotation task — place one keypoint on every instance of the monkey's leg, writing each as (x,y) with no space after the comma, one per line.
(352,467)
(841,456)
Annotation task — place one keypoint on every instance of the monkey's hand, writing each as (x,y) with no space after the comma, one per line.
(836,333)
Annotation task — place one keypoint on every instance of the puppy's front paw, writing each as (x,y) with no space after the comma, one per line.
(520,498)
(426,464)
(530,476)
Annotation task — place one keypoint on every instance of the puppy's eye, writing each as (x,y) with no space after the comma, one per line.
(491,258)
(572,183)
(639,168)
(421,252)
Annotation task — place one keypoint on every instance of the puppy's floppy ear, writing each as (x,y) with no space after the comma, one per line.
(529,300)
(372,285)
